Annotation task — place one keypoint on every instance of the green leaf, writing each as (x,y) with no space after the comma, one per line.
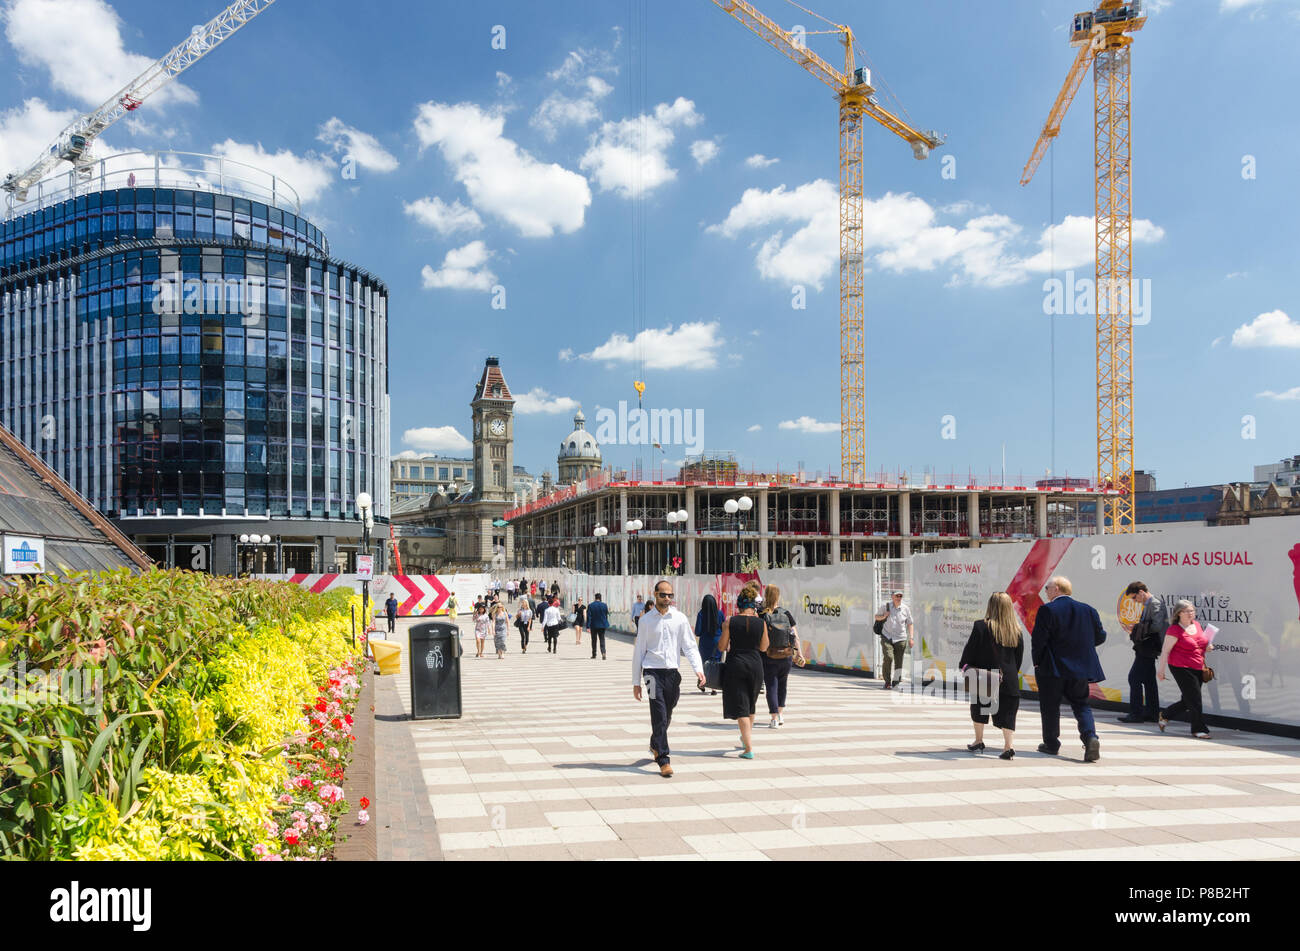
(71,782)
(132,778)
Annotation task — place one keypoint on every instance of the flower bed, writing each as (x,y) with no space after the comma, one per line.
(222,729)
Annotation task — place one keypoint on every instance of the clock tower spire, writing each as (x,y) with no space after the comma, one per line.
(493,410)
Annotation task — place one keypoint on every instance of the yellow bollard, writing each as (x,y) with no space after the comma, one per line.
(388,655)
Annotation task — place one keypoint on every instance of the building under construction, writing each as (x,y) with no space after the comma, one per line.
(789,523)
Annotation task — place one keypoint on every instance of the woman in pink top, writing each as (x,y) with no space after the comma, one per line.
(1184,656)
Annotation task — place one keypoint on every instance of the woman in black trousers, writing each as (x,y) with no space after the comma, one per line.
(992,660)
(744,638)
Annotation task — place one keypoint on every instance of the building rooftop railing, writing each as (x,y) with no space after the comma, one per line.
(166,169)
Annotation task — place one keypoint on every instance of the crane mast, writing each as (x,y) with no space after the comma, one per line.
(74,142)
(1104,42)
(857,101)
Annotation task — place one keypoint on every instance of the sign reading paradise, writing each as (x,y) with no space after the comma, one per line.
(24,555)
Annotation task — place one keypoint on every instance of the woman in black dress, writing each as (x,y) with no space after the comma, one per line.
(744,638)
(992,660)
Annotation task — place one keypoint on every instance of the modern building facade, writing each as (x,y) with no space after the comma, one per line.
(809,523)
(418,477)
(178,343)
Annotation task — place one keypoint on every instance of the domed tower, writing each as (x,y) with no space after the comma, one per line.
(579,456)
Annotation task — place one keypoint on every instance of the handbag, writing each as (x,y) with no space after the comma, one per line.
(714,670)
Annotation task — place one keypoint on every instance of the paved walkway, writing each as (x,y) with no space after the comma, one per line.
(550,762)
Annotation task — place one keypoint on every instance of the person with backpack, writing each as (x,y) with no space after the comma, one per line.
(1148,636)
(782,653)
(896,635)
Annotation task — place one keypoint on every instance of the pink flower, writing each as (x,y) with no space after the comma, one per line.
(285,799)
(363,817)
(259,850)
(330,793)
(334,754)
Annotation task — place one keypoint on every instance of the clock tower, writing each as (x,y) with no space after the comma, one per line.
(494,436)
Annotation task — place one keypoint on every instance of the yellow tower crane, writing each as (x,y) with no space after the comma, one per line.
(857,100)
(1103,42)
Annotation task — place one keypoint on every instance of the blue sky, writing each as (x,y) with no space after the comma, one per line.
(479,168)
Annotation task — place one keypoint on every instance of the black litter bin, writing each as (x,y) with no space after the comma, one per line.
(435,671)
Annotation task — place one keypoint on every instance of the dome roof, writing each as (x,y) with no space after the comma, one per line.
(579,444)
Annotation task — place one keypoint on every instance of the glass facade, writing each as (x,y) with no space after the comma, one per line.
(171,351)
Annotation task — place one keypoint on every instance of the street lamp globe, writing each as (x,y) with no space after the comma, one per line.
(745,503)
(243,539)
(672,518)
(683,515)
(363,502)
(731,506)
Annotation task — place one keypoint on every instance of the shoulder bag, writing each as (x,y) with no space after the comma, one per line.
(714,670)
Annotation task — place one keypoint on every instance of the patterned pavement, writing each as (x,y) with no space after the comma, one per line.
(550,762)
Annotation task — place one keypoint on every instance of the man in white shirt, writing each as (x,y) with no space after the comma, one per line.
(551,623)
(662,637)
(897,636)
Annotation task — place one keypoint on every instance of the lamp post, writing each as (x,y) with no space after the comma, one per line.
(677,525)
(367,520)
(631,527)
(737,508)
(600,532)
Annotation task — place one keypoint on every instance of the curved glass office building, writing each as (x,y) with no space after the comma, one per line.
(179,345)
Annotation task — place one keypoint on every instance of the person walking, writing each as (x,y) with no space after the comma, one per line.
(452,607)
(598,623)
(897,635)
(390,609)
(579,618)
(1064,646)
(744,638)
(663,636)
(524,622)
(992,658)
(500,628)
(708,628)
(482,627)
(782,653)
(1183,655)
(551,624)
(1148,636)
(638,608)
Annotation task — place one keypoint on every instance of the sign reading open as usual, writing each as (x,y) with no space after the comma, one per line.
(23,555)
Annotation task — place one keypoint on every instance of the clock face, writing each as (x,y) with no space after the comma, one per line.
(498,427)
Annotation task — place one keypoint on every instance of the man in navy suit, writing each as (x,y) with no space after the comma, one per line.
(1064,645)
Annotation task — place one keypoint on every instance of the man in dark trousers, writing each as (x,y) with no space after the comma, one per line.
(1148,637)
(663,636)
(597,622)
(390,608)
(1064,640)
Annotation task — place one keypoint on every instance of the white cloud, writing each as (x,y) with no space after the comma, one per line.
(760,161)
(309,175)
(754,429)
(691,346)
(463,269)
(1232,6)
(363,147)
(503,80)
(631,156)
(1291,394)
(1273,329)
(902,233)
(537,400)
(79,42)
(409,454)
(558,110)
(502,179)
(436,439)
(806,424)
(704,151)
(444,218)
(26,131)
(566,354)
(1236,274)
